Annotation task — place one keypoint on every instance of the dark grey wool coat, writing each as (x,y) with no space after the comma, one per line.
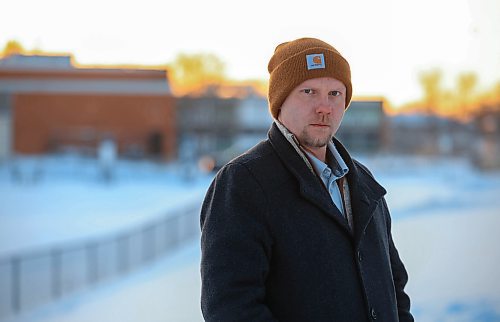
(275,247)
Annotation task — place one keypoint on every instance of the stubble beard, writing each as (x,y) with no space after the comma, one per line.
(309,140)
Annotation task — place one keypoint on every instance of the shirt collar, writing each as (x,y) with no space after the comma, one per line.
(338,163)
(334,162)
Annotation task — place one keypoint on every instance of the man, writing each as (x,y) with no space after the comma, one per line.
(295,229)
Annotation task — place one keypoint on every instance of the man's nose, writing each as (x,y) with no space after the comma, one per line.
(323,105)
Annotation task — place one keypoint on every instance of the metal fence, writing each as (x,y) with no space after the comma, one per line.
(32,279)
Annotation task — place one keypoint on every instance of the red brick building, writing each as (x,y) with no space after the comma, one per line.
(48,105)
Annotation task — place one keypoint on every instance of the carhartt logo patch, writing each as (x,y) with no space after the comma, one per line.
(315,61)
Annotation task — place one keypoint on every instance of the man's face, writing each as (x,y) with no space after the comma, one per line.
(314,110)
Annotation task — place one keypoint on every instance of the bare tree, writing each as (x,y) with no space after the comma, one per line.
(195,73)
(431,83)
(466,85)
(12,47)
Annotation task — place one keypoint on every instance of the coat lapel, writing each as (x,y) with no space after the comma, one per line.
(310,185)
(366,192)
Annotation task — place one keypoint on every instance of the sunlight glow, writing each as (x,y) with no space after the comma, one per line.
(387,42)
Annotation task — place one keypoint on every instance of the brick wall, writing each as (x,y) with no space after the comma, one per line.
(46,122)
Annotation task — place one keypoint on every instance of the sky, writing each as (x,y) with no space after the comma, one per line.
(387,42)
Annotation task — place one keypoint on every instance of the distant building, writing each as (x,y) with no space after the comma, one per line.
(48,105)
(486,150)
(222,127)
(428,135)
(364,127)
(206,123)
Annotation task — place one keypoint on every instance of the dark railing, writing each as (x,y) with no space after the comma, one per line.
(35,278)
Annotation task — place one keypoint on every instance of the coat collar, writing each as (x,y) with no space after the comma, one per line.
(365,192)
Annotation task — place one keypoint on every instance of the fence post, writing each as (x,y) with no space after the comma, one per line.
(147,244)
(56,273)
(122,257)
(16,285)
(92,263)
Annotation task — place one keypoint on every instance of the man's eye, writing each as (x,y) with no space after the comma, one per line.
(308,91)
(335,93)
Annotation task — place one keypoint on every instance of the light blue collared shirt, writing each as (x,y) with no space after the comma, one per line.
(330,177)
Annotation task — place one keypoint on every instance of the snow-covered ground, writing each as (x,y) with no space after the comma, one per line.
(446,223)
(57,200)
(447,229)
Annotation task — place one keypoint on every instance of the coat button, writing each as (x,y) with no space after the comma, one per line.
(360,258)
(373,314)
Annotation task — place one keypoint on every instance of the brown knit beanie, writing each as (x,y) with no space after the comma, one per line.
(296,61)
